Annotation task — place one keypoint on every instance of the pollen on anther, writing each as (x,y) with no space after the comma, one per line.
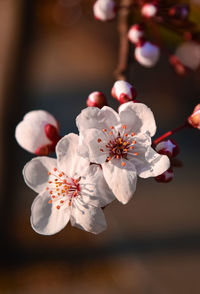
(135,153)
(49,173)
(134,142)
(56,180)
(111,127)
(104,130)
(58,207)
(50,201)
(124,127)
(47,188)
(111,133)
(98,140)
(55,169)
(131,147)
(61,201)
(125,134)
(123,163)
(101,150)
(60,175)
(132,134)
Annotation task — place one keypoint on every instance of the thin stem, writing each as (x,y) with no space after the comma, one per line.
(169,133)
(121,71)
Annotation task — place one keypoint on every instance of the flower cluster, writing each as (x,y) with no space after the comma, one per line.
(90,169)
(145,34)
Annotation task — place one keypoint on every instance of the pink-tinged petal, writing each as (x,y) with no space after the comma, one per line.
(104,10)
(94,140)
(68,160)
(93,117)
(46,219)
(154,166)
(138,117)
(147,54)
(94,189)
(30,132)
(87,217)
(121,179)
(36,171)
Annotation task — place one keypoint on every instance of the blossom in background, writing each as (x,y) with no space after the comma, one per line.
(96,99)
(135,33)
(69,189)
(149,10)
(121,143)
(147,54)
(104,10)
(168,147)
(38,132)
(123,91)
(194,118)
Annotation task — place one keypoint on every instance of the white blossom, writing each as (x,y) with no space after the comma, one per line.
(104,10)
(147,54)
(121,143)
(69,189)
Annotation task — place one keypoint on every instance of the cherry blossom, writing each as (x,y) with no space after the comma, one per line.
(38,132)
(149,10)
(121,143)
(96,99)
(104,10)
(135,33)
(147,54)
(123,91)
(69,189)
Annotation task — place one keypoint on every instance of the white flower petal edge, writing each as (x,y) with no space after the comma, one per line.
(121,181)
(67,158)
(45,218)
(140,116)
(88,218)
(35,172)
(155,166)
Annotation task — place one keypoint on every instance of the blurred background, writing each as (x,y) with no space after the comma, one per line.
(52,55)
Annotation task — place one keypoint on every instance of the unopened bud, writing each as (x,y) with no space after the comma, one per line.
(147,54)
(168,147)
(135,33)
(179,12)
(123,91)
(96,99)
(104,10)
(166,177)
(194,118)
(38,132)
(149,10)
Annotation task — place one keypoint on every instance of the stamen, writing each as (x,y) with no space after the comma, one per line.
(98,140)
(111,127)
(58,207)
(104,130)
(111,133)
(132,134)
(135,153)
(124,127)
(123,163)
(50,201)
(55,169)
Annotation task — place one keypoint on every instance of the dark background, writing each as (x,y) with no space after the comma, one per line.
(51,57)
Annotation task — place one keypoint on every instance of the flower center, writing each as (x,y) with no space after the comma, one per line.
(62,189)
(118,143)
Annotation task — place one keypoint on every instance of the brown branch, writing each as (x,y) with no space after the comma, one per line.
(121,71)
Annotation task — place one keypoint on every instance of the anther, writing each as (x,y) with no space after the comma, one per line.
(123,163)
(125,134)
(124,127)
(61,201)
(98,140)
(135,153)
(132,134)
(55,169)
(101,150)
(111,133)
(47,188)
(104,130)
(58,207)
(50,201)
(111,127)
(49,173)
(134,142)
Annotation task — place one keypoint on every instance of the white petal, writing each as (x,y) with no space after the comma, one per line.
(30,132)
(93,117)
(121,180)
(138,117)
(68,159)
(94,189)
(155,165)
(91,138)
(88,218)
(35,172)
(46,219)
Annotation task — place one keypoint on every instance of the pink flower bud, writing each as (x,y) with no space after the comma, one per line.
(149,10)
(194,118)
(179,12)
(168,147)
(38,132)
(166,177)
(104,10)
(178,67)
(147,54)
(96,99)
(135,33)
(123,91)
